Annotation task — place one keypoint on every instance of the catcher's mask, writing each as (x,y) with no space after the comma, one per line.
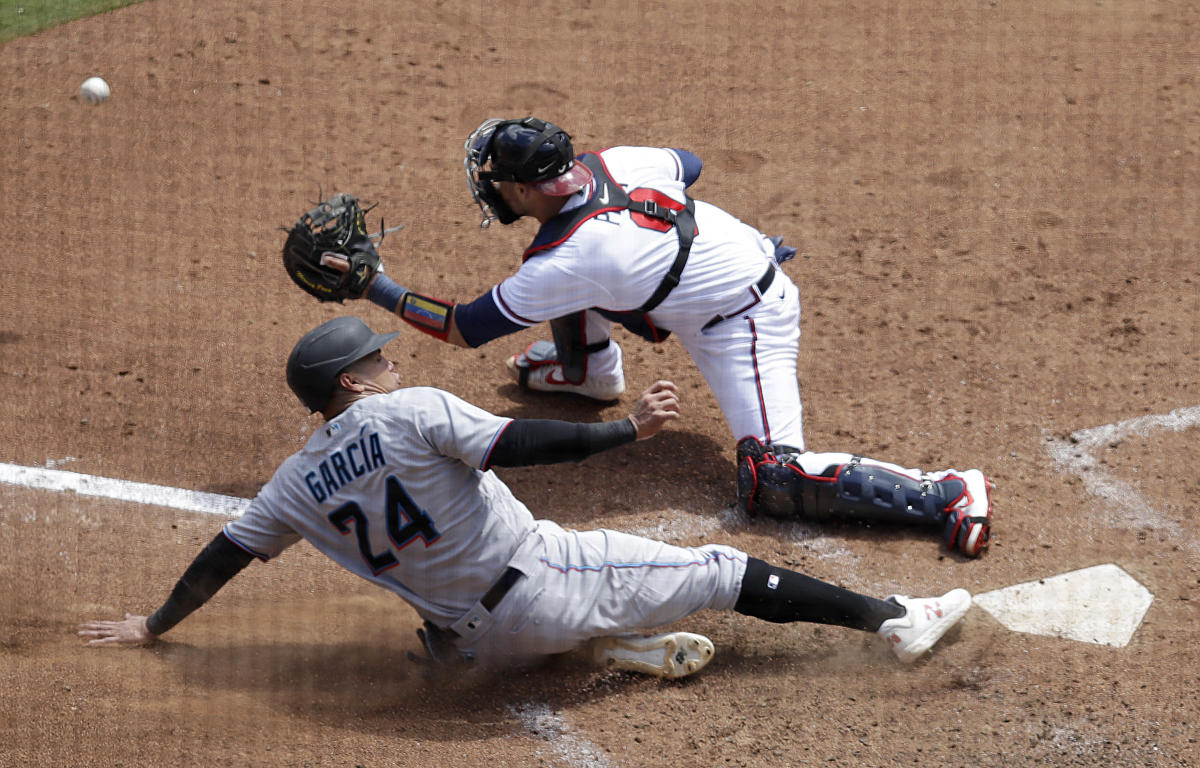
(529,150)
(326,351)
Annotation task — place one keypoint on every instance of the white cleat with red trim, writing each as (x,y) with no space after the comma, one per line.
(968,526)
(536,369)
(925,621)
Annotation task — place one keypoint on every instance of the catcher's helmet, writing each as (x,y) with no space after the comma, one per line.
(326,351)
(529,150)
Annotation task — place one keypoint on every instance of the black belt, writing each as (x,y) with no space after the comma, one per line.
(761,286)
(494,595)
(765,281)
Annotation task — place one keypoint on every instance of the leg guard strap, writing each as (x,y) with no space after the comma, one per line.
(571,347)
(874,493)
(541,353)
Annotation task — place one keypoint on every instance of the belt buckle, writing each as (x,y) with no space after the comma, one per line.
(476,620)
(472,623)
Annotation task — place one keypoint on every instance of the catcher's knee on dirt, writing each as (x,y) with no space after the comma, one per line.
(771,482)
(571,346)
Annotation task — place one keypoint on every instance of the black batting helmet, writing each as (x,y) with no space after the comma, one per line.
(324,352)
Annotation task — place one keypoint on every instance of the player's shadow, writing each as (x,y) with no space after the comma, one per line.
(370,687)
(675,469)
(852,534)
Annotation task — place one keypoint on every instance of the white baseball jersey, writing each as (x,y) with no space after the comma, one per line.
(392,489)
(615,260)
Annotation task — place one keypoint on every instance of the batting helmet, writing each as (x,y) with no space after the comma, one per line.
(530,151)
(326,351)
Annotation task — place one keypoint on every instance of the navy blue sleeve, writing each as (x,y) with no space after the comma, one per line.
(691,166)
(481,321)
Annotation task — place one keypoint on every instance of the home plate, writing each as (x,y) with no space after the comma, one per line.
(1102,605)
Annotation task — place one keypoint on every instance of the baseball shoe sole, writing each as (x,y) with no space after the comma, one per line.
(672,654)
(548,378)
(925,620)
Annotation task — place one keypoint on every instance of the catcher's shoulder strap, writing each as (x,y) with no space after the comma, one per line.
(650,209)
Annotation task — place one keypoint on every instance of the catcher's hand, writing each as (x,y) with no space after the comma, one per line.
(337,227)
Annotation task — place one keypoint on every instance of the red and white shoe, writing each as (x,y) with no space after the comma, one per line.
(537,370)
(969,517)
(925,621)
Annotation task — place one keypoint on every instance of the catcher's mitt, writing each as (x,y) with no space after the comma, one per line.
(335,226)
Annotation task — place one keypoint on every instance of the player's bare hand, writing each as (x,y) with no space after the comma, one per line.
(129,631)
(656,406)
(339,262)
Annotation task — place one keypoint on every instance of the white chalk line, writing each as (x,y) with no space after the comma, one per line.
(1078,457)
(540,721)
(122,490)
(537,718)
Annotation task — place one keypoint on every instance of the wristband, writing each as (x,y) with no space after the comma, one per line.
(426,314)
(386,292)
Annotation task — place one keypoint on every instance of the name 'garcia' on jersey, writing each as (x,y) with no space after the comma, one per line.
(345,465)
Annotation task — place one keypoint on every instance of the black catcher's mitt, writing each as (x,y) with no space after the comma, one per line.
(338,226)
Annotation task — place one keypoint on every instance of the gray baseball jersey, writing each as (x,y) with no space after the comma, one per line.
(394,489)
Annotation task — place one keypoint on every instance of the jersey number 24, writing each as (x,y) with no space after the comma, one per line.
(405,523)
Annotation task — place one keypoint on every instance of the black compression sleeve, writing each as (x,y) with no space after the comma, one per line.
(546,441)
(779,595)
(216,564)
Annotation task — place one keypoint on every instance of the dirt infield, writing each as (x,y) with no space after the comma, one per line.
(996,207)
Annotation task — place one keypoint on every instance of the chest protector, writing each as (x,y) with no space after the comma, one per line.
(648,207)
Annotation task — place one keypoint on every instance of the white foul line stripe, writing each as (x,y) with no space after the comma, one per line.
(123,490)
(1179,419)
(1079,458)
(540,721)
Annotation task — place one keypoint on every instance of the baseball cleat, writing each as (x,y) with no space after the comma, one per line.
(925,620)
(969,517)
(672,654)
(546,376)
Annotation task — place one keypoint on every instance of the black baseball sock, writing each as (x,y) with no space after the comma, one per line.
(779,595)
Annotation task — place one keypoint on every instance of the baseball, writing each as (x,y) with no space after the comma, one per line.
(94,90)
